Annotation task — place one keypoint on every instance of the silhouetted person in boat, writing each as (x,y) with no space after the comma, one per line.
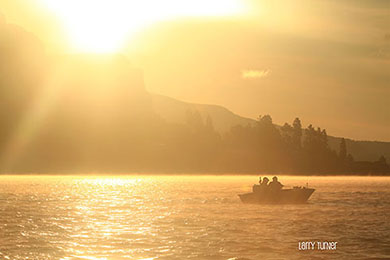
(275,184)
(264,184)
(256,187)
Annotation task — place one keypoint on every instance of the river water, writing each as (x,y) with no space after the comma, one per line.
(189,217)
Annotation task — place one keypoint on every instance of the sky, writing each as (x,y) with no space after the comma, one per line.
(325,61)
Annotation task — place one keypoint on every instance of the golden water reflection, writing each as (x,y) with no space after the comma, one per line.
(186,217)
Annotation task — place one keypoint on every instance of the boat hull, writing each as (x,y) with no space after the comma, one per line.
(284,196)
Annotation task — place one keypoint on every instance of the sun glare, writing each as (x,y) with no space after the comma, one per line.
(105,25)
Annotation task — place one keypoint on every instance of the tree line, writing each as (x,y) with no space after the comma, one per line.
(266,147)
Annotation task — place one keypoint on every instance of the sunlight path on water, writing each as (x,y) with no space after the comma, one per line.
(187,217)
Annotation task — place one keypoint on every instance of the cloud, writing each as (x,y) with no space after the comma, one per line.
(255,74)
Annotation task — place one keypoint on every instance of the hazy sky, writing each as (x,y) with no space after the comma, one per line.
(325,61)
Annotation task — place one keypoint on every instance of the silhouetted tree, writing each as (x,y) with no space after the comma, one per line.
(343,150)
(297,133)
(288,134)
(382,160)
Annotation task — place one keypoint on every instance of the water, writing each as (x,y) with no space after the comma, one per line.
(191,217)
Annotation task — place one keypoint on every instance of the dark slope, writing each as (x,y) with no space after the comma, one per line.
(174,110)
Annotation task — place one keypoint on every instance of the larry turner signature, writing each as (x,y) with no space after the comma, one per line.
(317,245)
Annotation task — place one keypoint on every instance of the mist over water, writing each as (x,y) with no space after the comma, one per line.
(188,217)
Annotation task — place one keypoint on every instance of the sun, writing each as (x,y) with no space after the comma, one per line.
(105,25)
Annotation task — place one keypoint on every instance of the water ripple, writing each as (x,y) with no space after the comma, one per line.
(187,218)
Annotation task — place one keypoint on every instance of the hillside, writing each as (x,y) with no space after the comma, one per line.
(362,150)
(174,110)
